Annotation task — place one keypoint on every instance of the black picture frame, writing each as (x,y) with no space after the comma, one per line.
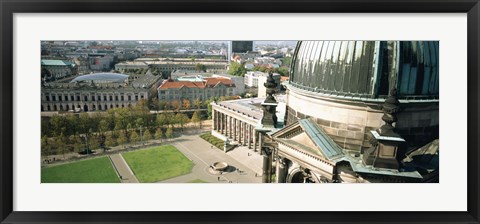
(9,7)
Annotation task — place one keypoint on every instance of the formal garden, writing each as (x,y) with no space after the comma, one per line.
(218,143)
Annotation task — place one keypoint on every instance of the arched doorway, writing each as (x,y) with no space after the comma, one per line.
(298,177)
(85,108)
(301,175)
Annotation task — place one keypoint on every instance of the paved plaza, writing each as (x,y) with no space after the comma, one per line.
(203,155)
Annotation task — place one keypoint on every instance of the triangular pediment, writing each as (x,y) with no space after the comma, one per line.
(306,135)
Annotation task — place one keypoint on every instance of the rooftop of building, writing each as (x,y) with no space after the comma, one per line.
(139,63)
(48,62)
(252,107)
(109,77)
(118,83)
(204,83)
(260,74)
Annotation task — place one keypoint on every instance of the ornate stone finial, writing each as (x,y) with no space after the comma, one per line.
(270,85)
(269,118)
(390,108)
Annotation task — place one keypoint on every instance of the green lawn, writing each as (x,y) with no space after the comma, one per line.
(98,170)
(197,181)
(158,163)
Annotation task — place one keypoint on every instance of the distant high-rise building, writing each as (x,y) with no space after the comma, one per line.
(242,46)
(239,47)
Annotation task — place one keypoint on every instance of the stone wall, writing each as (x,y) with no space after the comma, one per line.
(349,123)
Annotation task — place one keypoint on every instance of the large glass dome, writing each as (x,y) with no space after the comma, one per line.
(102,78)
(367,69)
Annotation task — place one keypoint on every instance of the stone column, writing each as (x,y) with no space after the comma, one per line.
(217,119)
(260,142)
(235,126)
(267,164)
(255,140)
(214,117)
(241,138)
(235,129)
(230,127)
(245,132)
(221,123)
(249,136)
(281,171)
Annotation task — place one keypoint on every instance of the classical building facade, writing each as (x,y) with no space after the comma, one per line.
(58,69)
(101,91)
(236,121)
(167,65)
(202,89)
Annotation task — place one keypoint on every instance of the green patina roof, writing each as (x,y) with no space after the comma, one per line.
(56,62)
(328,147)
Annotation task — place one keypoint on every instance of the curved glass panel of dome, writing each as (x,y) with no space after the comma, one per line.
(101,78)
(367,69)
(418,69)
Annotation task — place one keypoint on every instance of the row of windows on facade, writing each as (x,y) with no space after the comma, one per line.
(85,107)
(189,91)
(99,98)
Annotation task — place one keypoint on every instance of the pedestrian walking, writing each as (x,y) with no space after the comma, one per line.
(218,178)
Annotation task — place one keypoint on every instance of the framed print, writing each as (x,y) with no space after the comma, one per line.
(239,111)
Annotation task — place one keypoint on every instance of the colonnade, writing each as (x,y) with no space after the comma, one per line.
(236,130)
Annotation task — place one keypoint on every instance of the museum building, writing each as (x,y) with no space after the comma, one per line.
(356,111)
(97,92)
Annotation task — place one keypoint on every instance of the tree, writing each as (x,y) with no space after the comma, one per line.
(134,137)
(103,128)
(72,121)
(287,61)
(196,118)
(159,134)
(200,67)
(94,142)
(76,143)
(45,146)
(182,119)
(147,135)
(197,103)
(122,140)
(84,123)
(186,103)
(237,69)
(123,120)
(139,123)
(57,123)
(111,141)
(177,105)
(61,145)
(283,71)
(162,105)
(161,120)
(169,133)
